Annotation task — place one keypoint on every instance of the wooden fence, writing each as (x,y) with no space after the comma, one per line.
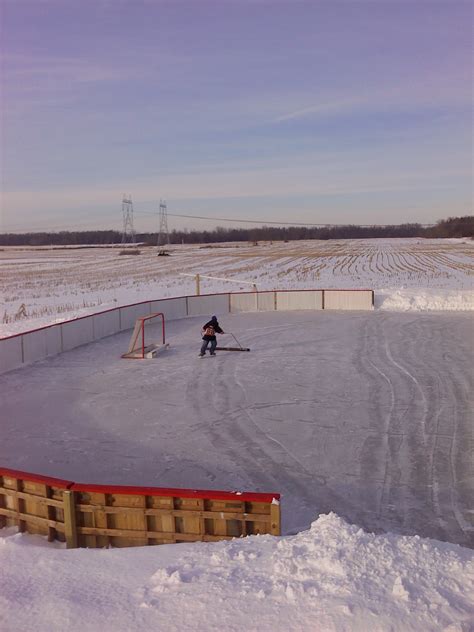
(103,515)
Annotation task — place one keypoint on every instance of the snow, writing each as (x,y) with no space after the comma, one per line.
(402,300)
(363,422)
(332,577)
(406,274)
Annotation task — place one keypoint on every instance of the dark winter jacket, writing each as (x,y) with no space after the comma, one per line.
(217,329)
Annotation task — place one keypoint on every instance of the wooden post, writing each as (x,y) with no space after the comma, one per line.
(51,514)
(70,530)
(275,528)
(19,505)
(198,285)
(3,505)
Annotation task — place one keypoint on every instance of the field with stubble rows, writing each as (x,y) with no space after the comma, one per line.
(43,285)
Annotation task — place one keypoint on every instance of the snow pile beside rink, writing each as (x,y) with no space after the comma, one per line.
(421,300)
(333,577)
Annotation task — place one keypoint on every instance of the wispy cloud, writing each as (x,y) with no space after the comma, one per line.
(437,87)
(18,67)
(329,107)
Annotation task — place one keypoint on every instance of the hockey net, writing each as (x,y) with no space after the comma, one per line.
(147,329)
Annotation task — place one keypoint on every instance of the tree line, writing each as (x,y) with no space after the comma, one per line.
(451,227)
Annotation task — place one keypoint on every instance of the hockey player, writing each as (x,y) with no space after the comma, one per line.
(209,336)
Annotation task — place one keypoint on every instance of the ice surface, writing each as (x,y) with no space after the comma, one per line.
(364,414)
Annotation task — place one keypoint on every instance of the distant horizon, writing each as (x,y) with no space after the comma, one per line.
(447,227)
(254,225)
(324,112)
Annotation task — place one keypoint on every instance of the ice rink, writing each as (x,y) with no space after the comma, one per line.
(365,414)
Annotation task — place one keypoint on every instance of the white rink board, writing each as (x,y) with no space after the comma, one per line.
(40,344)
(310,299)
(35,346)
(106,324)
(266,301)
(128,315)
(77,332)
(54,342)
(172,308)
(243,302)
(208,305)
(11,354)
(348,299)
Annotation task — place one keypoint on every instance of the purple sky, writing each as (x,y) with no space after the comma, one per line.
(309,111)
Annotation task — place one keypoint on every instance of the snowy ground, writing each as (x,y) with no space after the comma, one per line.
(407,275)
(332,578)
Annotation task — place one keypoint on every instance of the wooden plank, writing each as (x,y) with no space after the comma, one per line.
(85,519)
(167,492)
(150,521)
(168,522)
(35,490)
(128,521)
(70,520)
(51,513)
(244,525)
(201,521)
(261,512)
(228,515)
(38,499)
(99,517)
(161,522)
(221,525)
(9,477)
(19,506)
(275,528)
(171,537)
(38,520)
(3,504)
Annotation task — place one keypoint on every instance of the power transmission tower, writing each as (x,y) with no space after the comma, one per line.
(128,232)
(163,233)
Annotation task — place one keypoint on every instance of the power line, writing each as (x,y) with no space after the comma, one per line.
(265,222)
(74,226)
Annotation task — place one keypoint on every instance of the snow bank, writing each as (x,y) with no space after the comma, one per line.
(333,577)
(421,300)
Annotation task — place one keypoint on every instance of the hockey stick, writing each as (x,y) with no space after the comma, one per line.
(236,341)
(239,348)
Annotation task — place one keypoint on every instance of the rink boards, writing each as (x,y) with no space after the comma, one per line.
(31,346)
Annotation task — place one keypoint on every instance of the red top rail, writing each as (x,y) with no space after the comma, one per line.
(36,478)
(175,492)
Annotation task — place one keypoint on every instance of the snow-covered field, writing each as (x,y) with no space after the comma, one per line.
(367,415)
(407,274)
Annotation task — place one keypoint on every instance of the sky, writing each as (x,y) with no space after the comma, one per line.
(318,111)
